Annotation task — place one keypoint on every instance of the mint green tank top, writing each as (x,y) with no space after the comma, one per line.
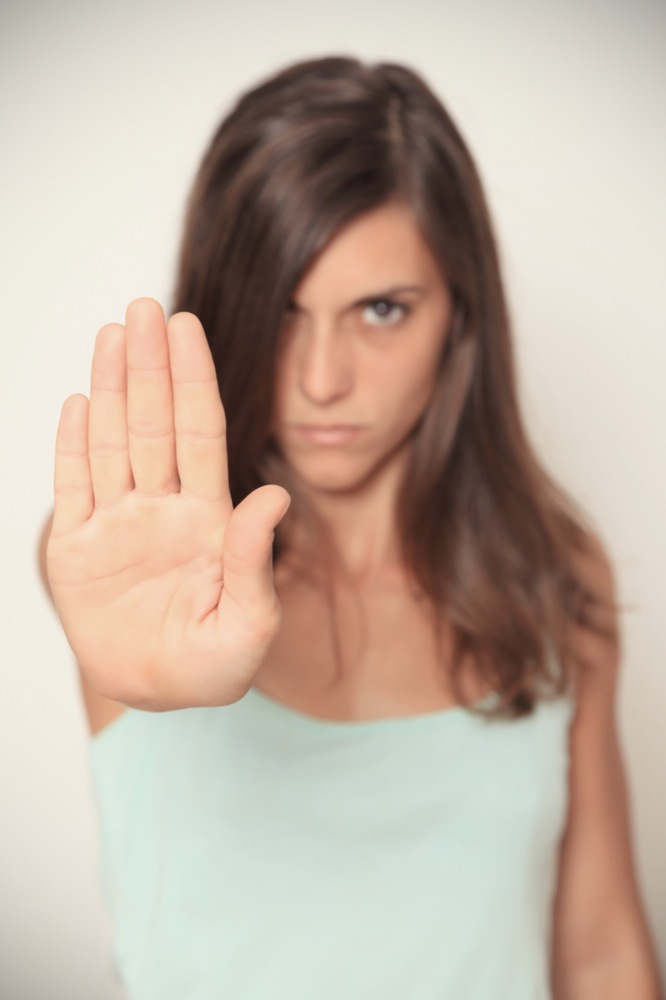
(253,852)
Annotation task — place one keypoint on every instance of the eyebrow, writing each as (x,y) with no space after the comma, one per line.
(387,293)
(384,293)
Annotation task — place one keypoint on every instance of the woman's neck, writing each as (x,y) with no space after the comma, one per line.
(351,535)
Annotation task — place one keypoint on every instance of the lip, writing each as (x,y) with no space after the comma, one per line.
(328,433)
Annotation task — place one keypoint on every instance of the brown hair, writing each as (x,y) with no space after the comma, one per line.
(485,531)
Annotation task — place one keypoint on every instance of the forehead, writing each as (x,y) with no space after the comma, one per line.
(382,248)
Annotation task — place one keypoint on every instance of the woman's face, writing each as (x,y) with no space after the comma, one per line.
(359,352)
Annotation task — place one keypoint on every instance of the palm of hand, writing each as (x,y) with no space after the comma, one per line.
(164,591)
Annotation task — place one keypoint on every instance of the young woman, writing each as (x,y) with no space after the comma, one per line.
(394,769)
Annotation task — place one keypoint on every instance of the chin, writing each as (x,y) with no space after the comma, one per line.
(329,481)
(336,476)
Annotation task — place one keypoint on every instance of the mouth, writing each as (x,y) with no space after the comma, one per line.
(328,433)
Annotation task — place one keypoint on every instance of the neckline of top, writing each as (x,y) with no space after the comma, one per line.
(278,708)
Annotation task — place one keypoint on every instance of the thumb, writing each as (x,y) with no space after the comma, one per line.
(247,551)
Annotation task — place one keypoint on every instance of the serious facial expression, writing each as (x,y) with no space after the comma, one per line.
(360,346)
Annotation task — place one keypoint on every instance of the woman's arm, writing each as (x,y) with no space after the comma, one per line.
(601,948)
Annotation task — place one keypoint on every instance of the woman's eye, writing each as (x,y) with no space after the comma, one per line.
(383,312)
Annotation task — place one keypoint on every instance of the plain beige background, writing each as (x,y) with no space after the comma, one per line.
(105,111)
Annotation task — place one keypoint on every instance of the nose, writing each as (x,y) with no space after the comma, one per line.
(325,366)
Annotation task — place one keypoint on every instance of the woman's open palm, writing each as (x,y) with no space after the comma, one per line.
(164,590)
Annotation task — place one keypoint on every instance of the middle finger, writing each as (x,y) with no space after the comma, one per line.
(150,422)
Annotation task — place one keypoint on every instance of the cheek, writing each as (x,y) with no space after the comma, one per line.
(408,388)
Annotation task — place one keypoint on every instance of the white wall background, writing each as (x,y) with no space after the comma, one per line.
(105,112)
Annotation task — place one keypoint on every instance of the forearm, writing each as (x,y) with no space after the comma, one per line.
(614,977)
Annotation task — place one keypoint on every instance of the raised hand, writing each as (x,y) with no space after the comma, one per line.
(164,590)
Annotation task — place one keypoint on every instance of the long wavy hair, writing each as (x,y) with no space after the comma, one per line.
(485,531)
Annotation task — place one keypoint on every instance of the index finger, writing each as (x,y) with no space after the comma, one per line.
(200,423)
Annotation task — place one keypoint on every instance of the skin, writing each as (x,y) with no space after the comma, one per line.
(346,359)
(343,360)
(360,345)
